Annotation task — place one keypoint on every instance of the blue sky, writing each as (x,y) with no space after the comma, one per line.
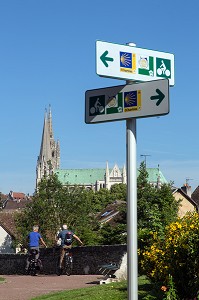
(47,56)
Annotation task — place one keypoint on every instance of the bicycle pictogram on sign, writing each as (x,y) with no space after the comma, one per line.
(163,68)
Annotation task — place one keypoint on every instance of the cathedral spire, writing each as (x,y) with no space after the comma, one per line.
(45,152)
(49,157)
(50,122)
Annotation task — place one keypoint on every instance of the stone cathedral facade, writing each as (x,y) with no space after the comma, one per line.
(49,163)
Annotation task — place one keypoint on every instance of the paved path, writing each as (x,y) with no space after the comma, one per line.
(21,287)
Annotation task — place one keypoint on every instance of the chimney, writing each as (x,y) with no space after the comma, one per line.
(187,189)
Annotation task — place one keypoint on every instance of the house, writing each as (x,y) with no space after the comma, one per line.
(7,232)
(187,204)
(14,201)
(17,196)
(195,195)
(112,213)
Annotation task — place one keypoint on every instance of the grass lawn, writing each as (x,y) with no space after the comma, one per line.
(111,291)
(2,279)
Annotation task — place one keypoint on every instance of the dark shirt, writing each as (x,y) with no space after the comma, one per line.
(62,235)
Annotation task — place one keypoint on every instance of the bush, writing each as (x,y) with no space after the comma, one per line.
(177,255)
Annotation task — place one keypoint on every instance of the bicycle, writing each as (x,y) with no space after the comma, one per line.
(35,264)
(67,264)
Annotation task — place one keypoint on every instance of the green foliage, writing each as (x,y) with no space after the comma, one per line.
(178,255)
(118,192)
(103,197)
(100,199)
(171,294)
(113,235)
(54,205)
(156,208)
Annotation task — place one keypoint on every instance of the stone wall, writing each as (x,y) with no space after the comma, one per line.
(86,260)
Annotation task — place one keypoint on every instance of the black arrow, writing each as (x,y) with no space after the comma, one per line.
(158,97)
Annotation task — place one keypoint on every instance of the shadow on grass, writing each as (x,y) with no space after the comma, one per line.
(148,290)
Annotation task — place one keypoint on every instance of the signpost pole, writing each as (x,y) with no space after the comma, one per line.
(132,210)
(132,254)
(118,61)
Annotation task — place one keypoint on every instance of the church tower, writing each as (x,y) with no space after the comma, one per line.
(49,157)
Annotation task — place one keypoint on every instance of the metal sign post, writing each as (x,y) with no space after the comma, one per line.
(134,100)
(132,258)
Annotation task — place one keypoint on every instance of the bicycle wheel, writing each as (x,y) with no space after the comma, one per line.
(58,269)
(68,265)
(33,269)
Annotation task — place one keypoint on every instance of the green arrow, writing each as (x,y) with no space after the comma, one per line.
(158,97)
(104,58)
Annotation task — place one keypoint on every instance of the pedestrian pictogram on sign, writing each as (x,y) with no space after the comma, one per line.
(145,65)
(115,104)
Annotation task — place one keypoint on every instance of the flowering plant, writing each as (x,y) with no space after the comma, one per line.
(177,254)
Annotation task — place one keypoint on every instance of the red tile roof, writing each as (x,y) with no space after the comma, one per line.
(17,195)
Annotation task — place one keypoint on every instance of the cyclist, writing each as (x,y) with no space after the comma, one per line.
(66,237)
(34,238)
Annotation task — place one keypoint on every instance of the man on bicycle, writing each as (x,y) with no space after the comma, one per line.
(34,238)
(66,237)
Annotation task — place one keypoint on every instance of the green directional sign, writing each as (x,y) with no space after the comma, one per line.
(132,63)
(137,100)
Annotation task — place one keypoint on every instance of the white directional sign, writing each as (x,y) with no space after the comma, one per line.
(137,100)
(132,63)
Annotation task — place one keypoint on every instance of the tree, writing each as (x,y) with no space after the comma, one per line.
(156,206)
(52,205)
(118,191)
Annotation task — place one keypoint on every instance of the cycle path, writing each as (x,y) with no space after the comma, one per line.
(21,287)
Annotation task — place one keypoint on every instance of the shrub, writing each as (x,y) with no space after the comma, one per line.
(177,255)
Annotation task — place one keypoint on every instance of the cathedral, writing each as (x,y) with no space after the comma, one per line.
(49,157)
(49,163)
